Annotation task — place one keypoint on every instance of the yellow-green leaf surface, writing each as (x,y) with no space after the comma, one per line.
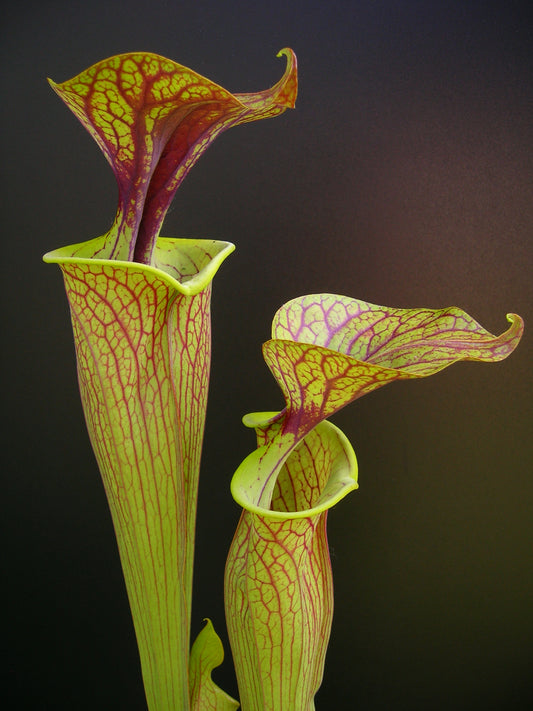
(329,350)
(153,119)
(207,653)
(143,344)
(278,584)
(326,351)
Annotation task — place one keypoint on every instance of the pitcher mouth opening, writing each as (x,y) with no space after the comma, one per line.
(187,265)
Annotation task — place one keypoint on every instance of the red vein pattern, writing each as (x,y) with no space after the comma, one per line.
(326,351)
(142,337)
(278,585)
(143,354)
(153,119)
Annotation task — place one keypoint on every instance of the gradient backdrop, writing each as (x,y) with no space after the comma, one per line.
(404,177)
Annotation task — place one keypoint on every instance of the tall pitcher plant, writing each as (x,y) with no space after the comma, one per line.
(140,308)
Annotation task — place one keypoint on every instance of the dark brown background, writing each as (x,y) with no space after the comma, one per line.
(404,177)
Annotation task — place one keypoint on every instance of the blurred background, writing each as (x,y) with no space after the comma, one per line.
(404,177)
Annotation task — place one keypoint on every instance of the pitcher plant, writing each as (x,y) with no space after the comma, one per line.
(140,309)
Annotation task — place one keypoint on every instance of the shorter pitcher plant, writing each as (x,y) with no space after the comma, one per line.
(140,308)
